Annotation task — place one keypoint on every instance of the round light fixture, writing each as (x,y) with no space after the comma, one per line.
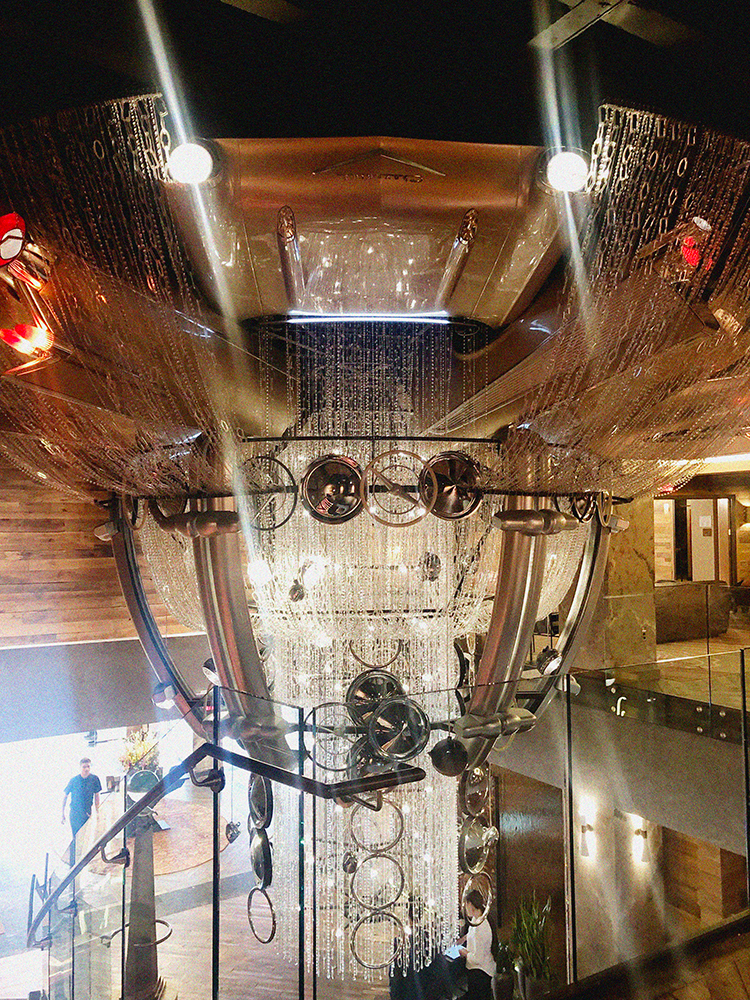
(12,236)
(567,171)
(191,163)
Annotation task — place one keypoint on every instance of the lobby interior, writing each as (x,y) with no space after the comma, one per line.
(626,803)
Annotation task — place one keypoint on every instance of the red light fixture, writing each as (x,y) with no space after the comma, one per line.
(12,237)
(691,251)
(28,339)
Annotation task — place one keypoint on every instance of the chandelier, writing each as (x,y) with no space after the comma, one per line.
(336,395)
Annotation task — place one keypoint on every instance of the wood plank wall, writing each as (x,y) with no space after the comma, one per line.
(57,580)
(702,882)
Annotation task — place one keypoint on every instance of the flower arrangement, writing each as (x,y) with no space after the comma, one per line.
(140,750)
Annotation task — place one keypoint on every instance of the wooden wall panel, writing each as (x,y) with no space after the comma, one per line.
(702,880)
(57,580)
(530,854)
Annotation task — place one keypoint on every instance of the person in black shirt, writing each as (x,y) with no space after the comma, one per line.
(83,790)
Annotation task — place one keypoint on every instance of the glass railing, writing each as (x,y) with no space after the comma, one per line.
(258,870)
(657,814)
(615,806)
(82,934)
(681,639)
(626,808)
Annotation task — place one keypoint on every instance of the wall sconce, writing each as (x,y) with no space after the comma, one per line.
(35,342)
(586,831)
(640,844)
(587,812)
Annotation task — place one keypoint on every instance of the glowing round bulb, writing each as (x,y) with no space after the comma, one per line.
(190,163)
(322,640)
(312,570)
(259,572)
(567,172)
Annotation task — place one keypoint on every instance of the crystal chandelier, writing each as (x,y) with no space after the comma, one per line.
(334,390)
(364,577)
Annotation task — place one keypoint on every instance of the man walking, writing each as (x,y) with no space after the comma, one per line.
(83,790)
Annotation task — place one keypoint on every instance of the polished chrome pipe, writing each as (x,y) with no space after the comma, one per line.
(514,613)
(459,254)
(32,267)
(197,524)
(218,564)
(585,598)
(119,532)
(534,522)
(291,259)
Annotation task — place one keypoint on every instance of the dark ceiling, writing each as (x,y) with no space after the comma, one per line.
(457,69)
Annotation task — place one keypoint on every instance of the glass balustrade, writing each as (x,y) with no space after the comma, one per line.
(618,820)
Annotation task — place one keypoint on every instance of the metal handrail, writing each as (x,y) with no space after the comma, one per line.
(662,972)
(128,574)
(585,599)
(400,774)
(173,779)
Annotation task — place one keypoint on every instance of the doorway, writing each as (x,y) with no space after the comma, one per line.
(694,539)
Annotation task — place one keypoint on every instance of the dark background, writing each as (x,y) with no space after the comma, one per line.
(457,69)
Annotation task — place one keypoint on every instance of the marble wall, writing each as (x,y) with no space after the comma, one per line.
(619,897)
(624,629)
(664,550)
(628,776)
(742,536)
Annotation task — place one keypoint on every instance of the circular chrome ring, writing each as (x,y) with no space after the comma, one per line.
(473,849)
(582,507)
(369,690)
(471,884)
(256,935)
(455,473)
(330,489)
(168,507)
(379,858)
(286,485)
(604,508)
(134,510)
(377,666)
(143,944)
(260,858)
(376,848)
(398,729)
(421,503)
(474,791)
(331,735)
(260,802)
(399,939)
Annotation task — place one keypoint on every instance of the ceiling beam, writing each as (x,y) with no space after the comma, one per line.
(272,10)
(649,25)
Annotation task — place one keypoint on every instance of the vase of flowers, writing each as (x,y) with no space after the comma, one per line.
(140,752)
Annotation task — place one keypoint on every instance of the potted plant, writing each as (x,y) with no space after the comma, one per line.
(529,942)
(502,986)
(140,751)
